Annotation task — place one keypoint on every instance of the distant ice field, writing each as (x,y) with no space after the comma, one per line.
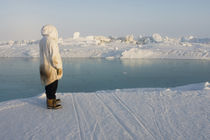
(154,46)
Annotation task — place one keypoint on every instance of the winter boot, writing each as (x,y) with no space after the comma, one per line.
(52,104)
(58,101)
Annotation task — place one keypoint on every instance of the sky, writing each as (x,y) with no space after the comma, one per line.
(23,19)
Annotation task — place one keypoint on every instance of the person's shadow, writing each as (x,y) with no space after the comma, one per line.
(39,101)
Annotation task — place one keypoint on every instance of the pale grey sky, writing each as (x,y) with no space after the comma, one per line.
(23,19)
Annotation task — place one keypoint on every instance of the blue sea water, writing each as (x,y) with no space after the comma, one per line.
(20,76)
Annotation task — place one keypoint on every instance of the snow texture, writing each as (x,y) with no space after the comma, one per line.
(155,46)
(127,114)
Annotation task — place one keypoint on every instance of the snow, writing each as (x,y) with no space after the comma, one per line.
(172,113)
(154,46)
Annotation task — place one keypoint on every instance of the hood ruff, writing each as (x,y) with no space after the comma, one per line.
(50,31)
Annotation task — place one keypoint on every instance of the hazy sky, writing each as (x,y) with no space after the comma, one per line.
(23,19)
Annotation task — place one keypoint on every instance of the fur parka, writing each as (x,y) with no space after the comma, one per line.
(51,68)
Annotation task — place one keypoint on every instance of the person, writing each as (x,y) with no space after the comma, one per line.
(51,69)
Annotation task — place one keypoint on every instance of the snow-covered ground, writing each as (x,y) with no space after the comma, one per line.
(175,113)
(154,46)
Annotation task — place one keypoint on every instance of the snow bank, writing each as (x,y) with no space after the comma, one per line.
(155,46)
(175,113)
(137,53)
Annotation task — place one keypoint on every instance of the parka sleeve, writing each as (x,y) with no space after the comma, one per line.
(56,60)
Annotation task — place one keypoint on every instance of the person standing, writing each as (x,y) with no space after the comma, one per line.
(51,69)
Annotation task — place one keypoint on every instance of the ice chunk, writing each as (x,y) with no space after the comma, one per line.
(186,44)
(157,38)
(76,35)
(207,85)
(129,38)
(102,39)
(90,37)
(60,40)
(11,42)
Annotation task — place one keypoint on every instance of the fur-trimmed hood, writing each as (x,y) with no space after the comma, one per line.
(50,31)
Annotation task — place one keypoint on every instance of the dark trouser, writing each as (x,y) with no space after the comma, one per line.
(51,90)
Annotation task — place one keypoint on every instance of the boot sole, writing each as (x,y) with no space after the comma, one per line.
(56,107)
